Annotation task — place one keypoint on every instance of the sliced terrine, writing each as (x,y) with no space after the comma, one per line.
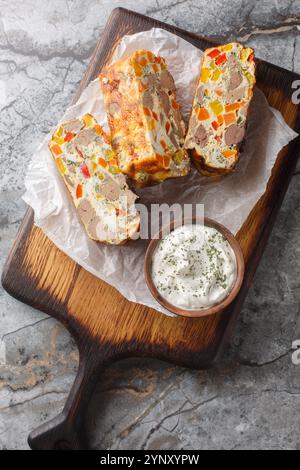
(219,114)
(146,126)
(85,159)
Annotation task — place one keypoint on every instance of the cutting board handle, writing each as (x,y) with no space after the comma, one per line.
(67,430)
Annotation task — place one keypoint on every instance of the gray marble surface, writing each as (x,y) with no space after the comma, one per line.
(252,399)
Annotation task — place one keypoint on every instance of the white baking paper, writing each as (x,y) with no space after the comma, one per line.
(229,200)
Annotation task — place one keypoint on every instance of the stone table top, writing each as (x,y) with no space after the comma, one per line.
(251,400)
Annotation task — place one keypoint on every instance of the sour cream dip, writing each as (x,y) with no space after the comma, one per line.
(194,267)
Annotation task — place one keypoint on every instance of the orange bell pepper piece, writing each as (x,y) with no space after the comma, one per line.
(229,153)
(229,118)
(203,114)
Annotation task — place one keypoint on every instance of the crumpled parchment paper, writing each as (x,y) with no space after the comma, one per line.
(229,200)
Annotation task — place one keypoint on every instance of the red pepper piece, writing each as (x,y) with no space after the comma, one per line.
(79,152)
(221,59)
(69,136)
(214,53)
(85,170)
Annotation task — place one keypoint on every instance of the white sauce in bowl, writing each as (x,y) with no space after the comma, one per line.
(194,267)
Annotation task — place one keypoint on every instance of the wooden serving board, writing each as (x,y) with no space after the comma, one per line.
(105,325)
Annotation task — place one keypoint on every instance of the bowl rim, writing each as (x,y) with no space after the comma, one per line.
(195,313)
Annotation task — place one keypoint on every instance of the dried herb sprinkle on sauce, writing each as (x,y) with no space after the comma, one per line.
(194,267)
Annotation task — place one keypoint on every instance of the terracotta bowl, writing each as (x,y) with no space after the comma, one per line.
(197,312)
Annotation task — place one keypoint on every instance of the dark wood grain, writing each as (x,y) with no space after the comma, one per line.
(105,325)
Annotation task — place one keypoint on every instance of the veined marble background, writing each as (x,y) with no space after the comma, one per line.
(252,399)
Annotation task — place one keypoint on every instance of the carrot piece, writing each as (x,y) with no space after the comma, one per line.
(203,114)
(220,119)
(102,162)
(98,129)
(229,153)
(215,125)
(168,126)
(56,149)
(233,107)
(150,56)
(79,191)
(229,118)
(147,111)
(143,61)
(159,60)
(155,115)
(163,143)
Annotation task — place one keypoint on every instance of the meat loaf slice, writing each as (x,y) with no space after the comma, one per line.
(144,118)
(219,114)
(87,163)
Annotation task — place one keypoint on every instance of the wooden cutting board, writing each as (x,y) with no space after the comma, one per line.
(105,325)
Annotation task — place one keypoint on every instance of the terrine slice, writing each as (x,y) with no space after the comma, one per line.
(220,109)
(146,126)
(87,163)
